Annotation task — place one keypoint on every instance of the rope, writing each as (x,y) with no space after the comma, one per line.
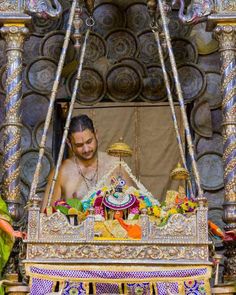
(180,98)
(68,119)
(171,102)
(52,100)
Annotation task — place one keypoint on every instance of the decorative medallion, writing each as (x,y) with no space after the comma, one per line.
(40,74)
(28,164)
(137,17)
(121,43)
(38,132)
(216,117)
(96,48)
(42,26)
(91,86)
(201,119)
(135,63)
(154,85)
(184,51)
(193,81)
(148,48)
(213,89)
(214,143)
(33,108)
(211,170)
(51,46)
(124,83)
(107,17)
(123,202)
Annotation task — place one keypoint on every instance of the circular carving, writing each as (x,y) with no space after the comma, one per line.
(121,43)
(215,143)
(107,17)
(148,48)
(137,17)
(96,48)
(201,119)
(28,164)
(184,51)
(123,83)
(135,63)
(52,44)
(26,138)
(31,48)
(211,170)
(40,74)
(204,40)
(91,87)
(38,132)
(176,27)
(154,85)
(34,108)
(42,26)
(3,78)
(193,81)
(213,89)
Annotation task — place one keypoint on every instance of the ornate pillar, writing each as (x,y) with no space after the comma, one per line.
(224,24)
(14,35)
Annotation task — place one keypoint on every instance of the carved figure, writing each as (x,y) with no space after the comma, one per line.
(197,11)
(44,8)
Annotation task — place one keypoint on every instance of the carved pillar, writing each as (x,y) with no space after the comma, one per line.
(14,35)
(226,34)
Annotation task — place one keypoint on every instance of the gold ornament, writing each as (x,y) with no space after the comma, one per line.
(119,149)
(179,173)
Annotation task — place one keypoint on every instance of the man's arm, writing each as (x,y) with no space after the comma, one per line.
(56,194)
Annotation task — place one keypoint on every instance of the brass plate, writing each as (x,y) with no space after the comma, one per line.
(34,108)
(42,26)
(124,83)
(137,17)
(211,170)
(201,119)
(96,48)
(28,163)
(107,17)
(91,87)
(52,44)
(121,43)
(214,143)
(154,85)
(213,89)
(192,80)
(40,74)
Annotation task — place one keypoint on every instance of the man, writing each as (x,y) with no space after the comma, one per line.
(81,172)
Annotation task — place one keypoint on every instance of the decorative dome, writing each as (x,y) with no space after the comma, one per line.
(119,149)
(179,173)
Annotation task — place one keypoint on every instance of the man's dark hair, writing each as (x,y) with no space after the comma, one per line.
(80,123)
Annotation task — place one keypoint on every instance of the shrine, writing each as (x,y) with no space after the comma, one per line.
(118,147)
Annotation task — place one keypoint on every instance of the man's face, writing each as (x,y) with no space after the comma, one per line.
(84,144)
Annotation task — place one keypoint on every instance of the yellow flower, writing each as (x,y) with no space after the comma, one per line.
(156,211)
(136,193)
(142,205)
(104,189)
(172,211)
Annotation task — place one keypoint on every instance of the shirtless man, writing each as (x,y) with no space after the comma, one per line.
(79,173)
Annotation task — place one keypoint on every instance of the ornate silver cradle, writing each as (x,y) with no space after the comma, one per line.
(53,240)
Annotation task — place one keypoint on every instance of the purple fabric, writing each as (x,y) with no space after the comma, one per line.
(163,287)
(41,286)
(102,274)
(102,289)
(74,288)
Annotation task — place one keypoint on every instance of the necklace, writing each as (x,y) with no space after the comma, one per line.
(89,181)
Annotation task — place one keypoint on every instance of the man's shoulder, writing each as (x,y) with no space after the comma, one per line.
(66,166)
